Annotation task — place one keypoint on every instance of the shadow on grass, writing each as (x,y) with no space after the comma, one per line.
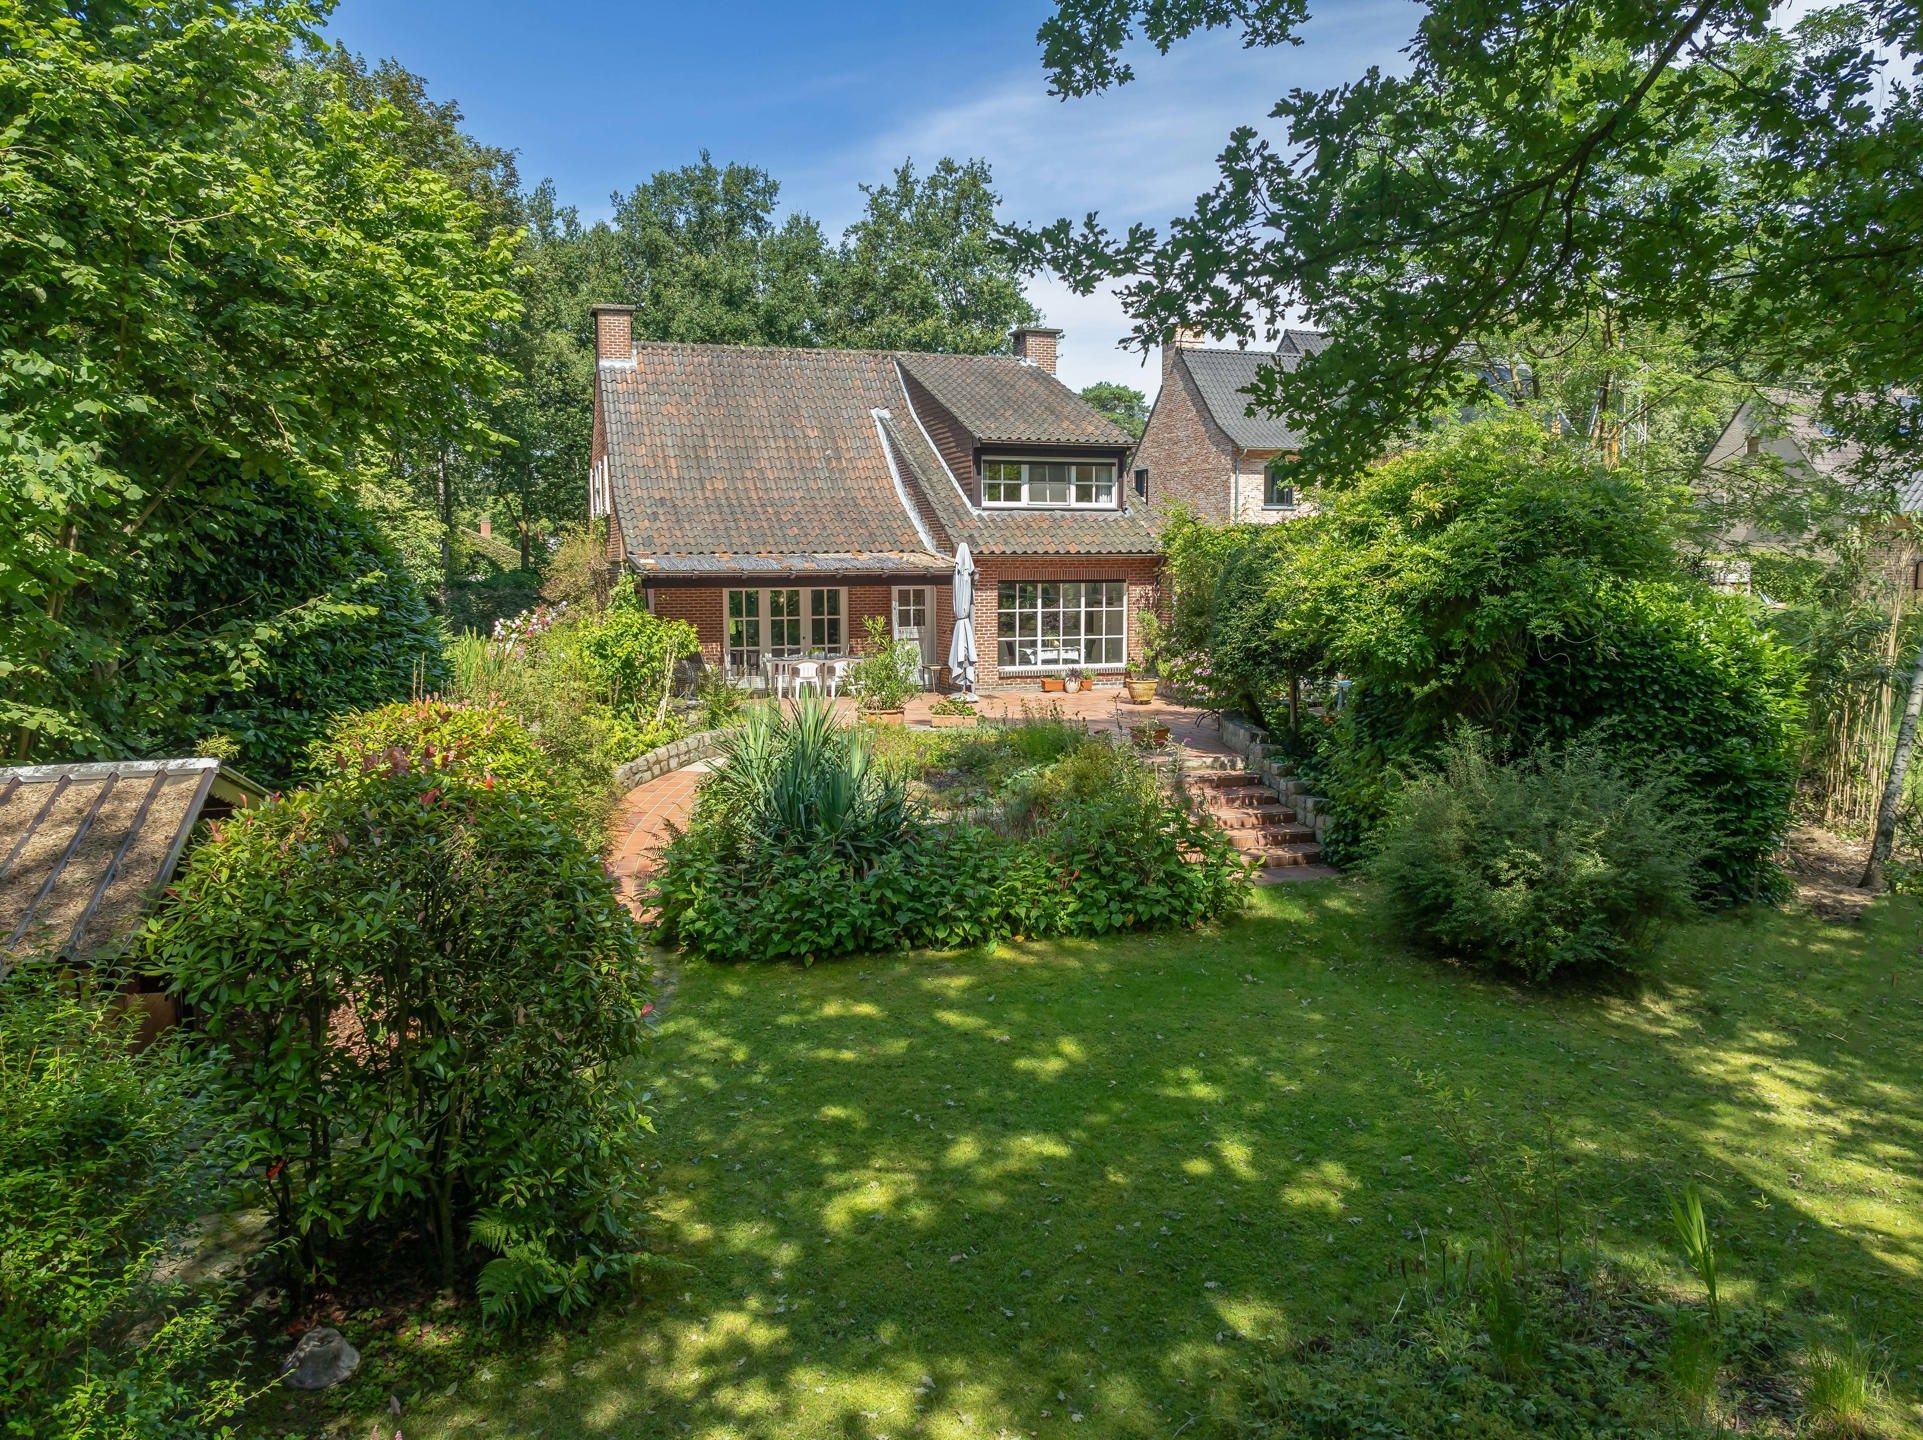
(1074,1187)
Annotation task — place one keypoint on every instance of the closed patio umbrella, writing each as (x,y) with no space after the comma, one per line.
(962,658)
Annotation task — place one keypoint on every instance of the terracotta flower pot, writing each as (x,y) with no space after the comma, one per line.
(884,717)
(1140,691)
(1053,684)
(951,722)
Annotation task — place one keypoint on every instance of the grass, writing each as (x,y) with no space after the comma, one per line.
(1083,1189)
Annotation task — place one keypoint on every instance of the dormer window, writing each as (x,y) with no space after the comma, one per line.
(1084,484)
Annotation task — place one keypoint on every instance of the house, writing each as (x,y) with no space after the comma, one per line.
(777,498)
(1779,428)
(1203,451)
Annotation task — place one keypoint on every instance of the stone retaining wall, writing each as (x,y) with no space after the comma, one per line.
(664,759)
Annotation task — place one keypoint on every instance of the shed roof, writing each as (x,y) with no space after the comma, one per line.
(85,848)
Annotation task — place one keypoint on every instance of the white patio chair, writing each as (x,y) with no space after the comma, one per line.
(807,672)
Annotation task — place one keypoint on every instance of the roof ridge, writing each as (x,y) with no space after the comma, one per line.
(866,351)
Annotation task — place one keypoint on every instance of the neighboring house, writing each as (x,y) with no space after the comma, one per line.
(1203,451)
(1780,427)
(777,498)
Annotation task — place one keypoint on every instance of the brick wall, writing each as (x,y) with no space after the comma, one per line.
(1189,459)
(705,607)
(1140,574)
(1037,344)
(613,332)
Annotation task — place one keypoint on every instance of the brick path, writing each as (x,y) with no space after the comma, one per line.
(639,827)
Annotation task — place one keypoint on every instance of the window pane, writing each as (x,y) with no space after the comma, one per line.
(1114,594)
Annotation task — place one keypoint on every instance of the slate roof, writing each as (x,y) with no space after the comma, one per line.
(1302,342)
(1002,401)
(739,460)
(1222,378)
(85,848)
(1830,455)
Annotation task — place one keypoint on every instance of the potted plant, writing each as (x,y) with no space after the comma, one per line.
(884,678)
(952,711)
(1076,681)
(1149,735)
(1053,684)
(1140,681)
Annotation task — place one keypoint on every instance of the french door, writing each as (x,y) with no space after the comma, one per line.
(915,619)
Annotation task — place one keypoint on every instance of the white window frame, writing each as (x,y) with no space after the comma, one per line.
(1113,481)
(1049,667)
(802,620)
(926,636)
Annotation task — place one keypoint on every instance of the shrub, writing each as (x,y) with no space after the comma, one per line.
(802,847)
(631,655)
(1560,861)
(803,782)
(885,677)
(110,1161)
(427,988)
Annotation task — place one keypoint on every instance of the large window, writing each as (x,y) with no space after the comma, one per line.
(1048,624)
(1087,483)
(783,623)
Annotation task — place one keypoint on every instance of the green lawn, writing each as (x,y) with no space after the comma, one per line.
(1077,1188)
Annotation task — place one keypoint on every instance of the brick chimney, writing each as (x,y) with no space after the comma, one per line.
(613,332)
(1036,344)
(1182,337)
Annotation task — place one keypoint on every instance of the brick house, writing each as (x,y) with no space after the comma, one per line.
(1203,451)
(777,498)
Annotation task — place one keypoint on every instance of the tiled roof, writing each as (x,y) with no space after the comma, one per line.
(84,848)
(1013,532)
(1223,376)
(730,460)
(1830,455)
(720,450)
(1302,342)
(1002,401)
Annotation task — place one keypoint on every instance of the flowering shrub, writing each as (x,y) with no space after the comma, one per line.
(515,633)
(1191,674)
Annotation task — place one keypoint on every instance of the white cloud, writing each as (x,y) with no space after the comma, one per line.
(1139,153)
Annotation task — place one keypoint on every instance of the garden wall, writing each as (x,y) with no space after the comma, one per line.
(663,759)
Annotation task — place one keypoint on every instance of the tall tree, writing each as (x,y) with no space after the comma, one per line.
(221,290)
(924,268)
(703,258)
(1683,163)
(1124,404)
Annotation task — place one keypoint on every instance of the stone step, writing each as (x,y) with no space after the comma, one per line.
(1294,855)
(1251,817)
(1272,837)
(1224,779)
(1241,797)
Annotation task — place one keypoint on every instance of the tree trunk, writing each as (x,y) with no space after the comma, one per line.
(1295,702)
(446,498)
(1885,838)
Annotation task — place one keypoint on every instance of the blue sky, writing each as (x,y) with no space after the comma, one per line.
(827,96)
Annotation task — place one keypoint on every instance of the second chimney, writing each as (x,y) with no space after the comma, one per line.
(1036,344)
(1182,337)
(613,332)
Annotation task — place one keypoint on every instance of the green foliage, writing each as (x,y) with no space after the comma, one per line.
(1500,576)
(1124,404)
(803,846)
(280,292)
(481,744)
(112,1160)
(1692,1233)
(632,655)
(1574,1356)
(1554,174)
(1559,862)
(1840,1386)
(722,701)
(924,267)
(426,989)
(803,780)
(889,673)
